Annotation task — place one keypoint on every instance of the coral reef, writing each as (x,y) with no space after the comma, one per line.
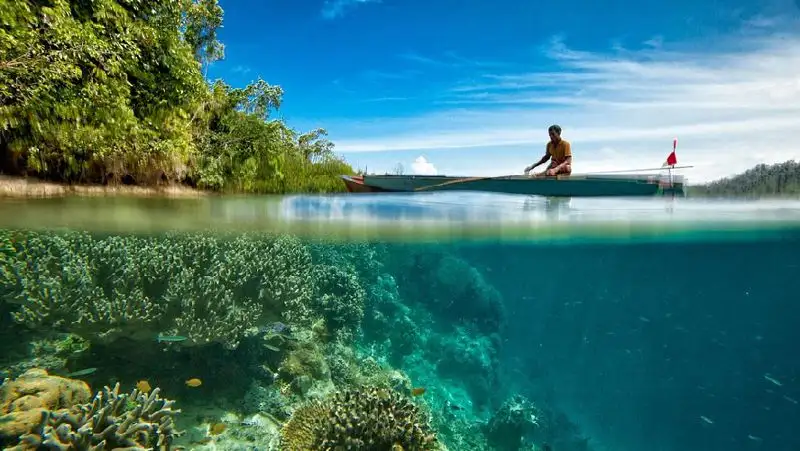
(448,286)
(339,297)
(516,419)
(467,358)
(324,337)
(38,349)
(368,419)
(304,364)
(111,421)
(436,304)
(205,288)
(260,399)
(40,410)
(24,400)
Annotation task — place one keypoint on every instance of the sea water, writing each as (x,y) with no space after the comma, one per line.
(629,324)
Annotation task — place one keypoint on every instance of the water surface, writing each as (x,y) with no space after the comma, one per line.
(655,324)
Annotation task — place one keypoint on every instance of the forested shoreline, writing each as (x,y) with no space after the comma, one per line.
(781,179)
(113,92)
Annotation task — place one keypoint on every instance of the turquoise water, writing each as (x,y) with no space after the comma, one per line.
(579,324)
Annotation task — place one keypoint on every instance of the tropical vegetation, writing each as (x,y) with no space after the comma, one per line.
(108,91)
(781,179)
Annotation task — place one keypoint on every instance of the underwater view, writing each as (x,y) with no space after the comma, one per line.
(463,321)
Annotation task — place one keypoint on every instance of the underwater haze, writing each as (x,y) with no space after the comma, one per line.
(458,321)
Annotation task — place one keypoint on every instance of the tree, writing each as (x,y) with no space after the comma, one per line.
(110,90)
(398,169)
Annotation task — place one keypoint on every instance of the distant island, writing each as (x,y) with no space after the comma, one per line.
(118,97)
(781,179)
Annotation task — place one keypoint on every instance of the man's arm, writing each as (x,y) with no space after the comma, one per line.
(541,161)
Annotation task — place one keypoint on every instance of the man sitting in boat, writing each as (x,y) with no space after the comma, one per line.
(559,150)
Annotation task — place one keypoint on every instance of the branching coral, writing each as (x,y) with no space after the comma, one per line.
(208,310)
(365,419)
(203,287)
(92,287)
(275,270)
(339,297)
(111,421)
(56,284)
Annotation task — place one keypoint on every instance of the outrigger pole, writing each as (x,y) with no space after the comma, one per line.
(637,170)
(670,164)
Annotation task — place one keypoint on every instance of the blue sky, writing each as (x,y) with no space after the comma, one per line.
(469,87)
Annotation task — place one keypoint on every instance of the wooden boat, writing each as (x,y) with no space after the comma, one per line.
(586,185)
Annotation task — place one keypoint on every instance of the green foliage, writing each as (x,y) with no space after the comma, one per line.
(782,179)
(109,90)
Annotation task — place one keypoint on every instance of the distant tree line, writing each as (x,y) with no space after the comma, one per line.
(107,91)
(782,179)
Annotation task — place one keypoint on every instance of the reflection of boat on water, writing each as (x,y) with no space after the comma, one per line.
(550,204)
(586,185)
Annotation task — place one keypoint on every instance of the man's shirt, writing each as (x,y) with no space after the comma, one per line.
(560,151)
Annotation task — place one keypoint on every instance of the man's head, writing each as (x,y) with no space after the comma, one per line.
(555,133)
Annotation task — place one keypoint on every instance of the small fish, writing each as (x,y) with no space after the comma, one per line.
(454,406)
(82,372)
(170,338)
(194,382)
(417,391)
(791,400)
(706,419)
(272,348)
(143,386)
(773,380)
(276,327)
(754,438)
(217,428)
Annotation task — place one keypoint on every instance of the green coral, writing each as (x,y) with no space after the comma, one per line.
(71,345)
(206,288)
(339,297)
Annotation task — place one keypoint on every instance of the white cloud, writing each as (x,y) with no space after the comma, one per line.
(731,108)
(336,8)
(422,166)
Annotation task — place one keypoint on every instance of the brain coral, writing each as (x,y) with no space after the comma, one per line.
(364,419)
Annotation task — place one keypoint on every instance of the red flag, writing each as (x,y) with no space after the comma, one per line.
(672,159)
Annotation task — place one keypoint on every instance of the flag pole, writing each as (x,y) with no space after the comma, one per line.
(674,147)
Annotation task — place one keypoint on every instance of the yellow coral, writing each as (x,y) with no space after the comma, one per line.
(23,400)
(302,430)
(369,419)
